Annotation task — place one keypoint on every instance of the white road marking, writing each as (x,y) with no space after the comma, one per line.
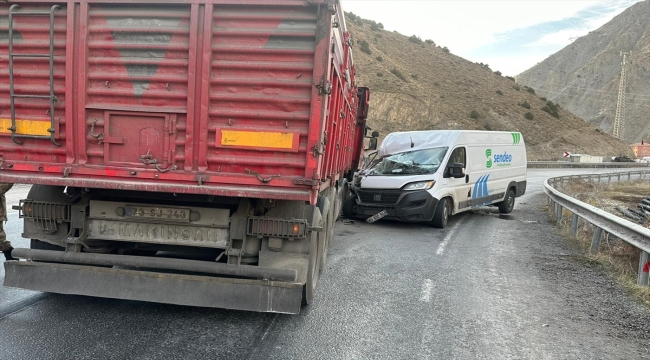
(426,290)
(445,241)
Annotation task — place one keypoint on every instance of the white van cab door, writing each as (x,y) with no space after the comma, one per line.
(460,187)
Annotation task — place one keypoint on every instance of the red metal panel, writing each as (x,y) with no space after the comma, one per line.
(162,80)
(138,59)
(31,36)
(262,63)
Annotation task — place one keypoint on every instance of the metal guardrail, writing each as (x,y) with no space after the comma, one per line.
(632,233)
(568,164)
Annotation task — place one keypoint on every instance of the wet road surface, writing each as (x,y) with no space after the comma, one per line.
(485,287)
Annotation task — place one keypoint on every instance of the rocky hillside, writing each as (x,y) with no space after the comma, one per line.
(418,85)
(584,76)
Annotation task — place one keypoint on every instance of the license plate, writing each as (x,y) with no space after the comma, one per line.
(158,213)
(377,216)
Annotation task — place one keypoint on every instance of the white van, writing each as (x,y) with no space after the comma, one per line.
(428,175)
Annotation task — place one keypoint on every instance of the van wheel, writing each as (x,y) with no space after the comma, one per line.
(506,206)
(441,215)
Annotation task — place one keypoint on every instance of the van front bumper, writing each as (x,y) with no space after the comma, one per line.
(407,206)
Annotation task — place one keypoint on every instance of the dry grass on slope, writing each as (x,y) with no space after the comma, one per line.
(420,86)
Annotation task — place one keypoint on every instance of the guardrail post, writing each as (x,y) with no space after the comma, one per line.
(595,241)
(574,224)
(644,266)
(559,213)
(629,176)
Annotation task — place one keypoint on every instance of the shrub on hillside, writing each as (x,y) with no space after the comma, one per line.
(359,21)
(525,105)
(415,39)
(516,87)
(529,115)
(543,99)
(510,78)
(445,49)
(380,74)
(474,114)
(430,42)
(379,58)
(398,74)
(436,84)
(414,76)
(498,73)
(530,90)
(374,27)
(499,92)
(551,108)
(378,36)
(365,47)
(351,16)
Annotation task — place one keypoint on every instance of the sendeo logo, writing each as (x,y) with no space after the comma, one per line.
(516,138)
(504,159)
(488,155)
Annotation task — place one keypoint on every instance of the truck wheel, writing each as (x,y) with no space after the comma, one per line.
(312,272)
(343,193)
(350,207)
(441,215)
(328,232)
(506,206)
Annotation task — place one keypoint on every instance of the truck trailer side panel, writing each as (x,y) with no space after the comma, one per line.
(227,95)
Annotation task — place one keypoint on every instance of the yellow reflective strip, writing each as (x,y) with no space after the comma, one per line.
(275,140)
(26,127)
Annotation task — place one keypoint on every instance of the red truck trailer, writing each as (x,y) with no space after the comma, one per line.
(184,152)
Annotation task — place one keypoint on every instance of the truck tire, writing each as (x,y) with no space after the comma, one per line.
(350,207)
(441,215)
(508,203)
(343,194)
(309,288)
(328,231)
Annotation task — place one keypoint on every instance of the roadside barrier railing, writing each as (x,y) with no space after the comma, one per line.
(603,221)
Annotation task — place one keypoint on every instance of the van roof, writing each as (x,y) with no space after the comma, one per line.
(416,140)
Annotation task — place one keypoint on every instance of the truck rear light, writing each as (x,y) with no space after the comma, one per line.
(280,228)
(44,215)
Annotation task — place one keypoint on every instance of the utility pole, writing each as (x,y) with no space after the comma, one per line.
(619,119)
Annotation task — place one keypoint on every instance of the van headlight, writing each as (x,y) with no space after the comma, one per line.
(420,185)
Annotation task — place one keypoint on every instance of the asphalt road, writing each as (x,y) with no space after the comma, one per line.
(486,287)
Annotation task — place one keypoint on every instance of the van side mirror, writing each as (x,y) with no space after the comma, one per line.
(456,170)
(372,144)
(375,134)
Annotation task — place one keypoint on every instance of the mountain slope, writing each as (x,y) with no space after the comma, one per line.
(584,76)
(417,85)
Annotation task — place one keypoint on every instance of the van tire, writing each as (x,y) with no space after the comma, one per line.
(508,203)
(441,215)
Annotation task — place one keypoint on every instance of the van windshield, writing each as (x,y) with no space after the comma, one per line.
(416,162)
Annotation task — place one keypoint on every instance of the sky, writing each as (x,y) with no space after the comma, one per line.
(509,35)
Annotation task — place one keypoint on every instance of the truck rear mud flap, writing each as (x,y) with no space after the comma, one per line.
(178,289)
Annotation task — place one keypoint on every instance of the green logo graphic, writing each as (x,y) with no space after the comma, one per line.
(516,138)
(488,155)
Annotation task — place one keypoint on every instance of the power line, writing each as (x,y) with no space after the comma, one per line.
(619,119)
